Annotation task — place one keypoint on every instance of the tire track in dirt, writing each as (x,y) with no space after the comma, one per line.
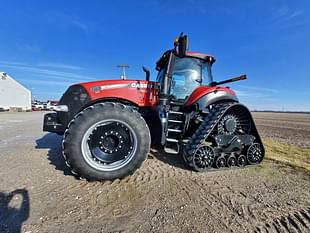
(197,195)
(222,202)
(152,170)
(227,207)
(213,193)
(298,221)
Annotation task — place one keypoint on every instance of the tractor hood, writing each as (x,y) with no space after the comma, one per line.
(135,91)
(79,96)
(97,86)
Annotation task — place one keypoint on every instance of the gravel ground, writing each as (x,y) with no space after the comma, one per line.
(39,194)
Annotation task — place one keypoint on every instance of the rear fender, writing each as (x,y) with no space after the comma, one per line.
(215,97)
(204,96)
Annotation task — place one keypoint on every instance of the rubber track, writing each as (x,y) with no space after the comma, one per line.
(204,130)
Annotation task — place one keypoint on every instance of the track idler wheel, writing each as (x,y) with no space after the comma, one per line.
(255,154)
(232,161)
(241,161)
(220,162)
(203,158)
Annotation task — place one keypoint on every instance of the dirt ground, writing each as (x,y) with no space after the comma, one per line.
(290,128)
(39,194)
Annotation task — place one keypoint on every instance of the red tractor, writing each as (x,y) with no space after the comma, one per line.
(110,125)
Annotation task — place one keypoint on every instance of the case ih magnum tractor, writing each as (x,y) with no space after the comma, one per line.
(110,125)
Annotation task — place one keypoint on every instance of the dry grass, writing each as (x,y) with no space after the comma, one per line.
(291,155)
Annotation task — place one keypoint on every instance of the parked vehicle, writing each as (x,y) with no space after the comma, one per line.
(51,104)
(37,106)
(4,109)
(109,125)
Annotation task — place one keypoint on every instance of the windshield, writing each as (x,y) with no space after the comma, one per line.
(188,74)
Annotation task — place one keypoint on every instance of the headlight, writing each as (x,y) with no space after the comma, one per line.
(61,108)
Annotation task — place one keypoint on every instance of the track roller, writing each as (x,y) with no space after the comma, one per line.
(232,161)
(220,162)
(241,161)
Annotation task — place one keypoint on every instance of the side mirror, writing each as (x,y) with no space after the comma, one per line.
(147,73)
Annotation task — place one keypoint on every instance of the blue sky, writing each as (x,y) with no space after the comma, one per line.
(48,45)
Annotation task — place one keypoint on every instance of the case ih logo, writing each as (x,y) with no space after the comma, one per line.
(142,85)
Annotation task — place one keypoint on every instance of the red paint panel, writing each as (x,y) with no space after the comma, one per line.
(203,90)
(140,92)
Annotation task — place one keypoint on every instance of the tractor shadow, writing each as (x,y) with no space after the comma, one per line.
(174,160)
(14,210)
(53,142)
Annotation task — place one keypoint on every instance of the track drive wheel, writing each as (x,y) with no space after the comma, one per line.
(106,141)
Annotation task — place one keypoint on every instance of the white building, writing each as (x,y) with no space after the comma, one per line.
(13,94)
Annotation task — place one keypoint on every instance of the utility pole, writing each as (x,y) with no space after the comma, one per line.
(123,67)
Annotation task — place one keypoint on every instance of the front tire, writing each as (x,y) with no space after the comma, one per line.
(106,141)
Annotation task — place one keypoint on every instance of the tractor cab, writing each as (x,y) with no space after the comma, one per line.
(180,72)
(188,73)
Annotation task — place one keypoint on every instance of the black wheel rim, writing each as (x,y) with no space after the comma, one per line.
(234,123)
(255,154)
(110,142)
(109,145)
(203,158)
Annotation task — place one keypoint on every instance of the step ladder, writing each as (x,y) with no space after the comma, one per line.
(175,126)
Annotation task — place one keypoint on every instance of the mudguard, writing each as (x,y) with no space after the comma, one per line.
(204,96)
